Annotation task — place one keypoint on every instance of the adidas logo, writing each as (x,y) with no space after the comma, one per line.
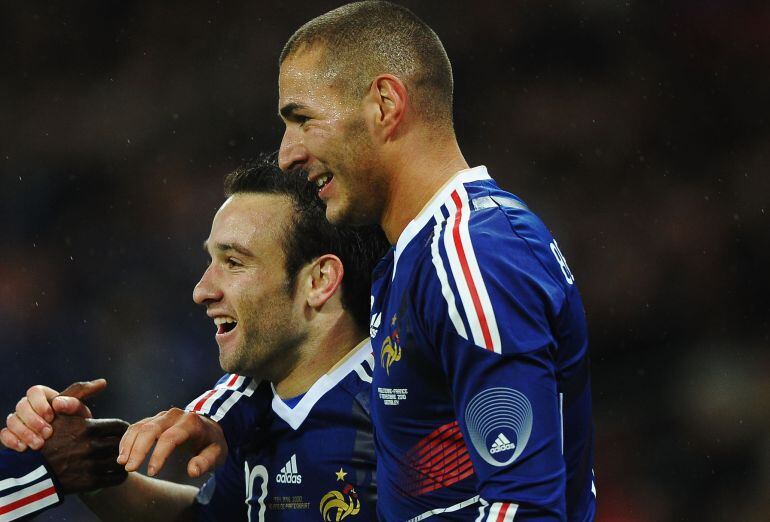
(288,473)
(374,323)
(501,443)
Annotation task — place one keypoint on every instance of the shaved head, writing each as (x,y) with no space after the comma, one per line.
(362,40)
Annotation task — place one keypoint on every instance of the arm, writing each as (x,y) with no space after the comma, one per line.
(498,330)
(143,499)
(211,423)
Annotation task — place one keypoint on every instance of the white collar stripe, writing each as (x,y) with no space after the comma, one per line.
(294,417)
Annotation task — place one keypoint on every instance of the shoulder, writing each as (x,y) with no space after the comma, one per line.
(494,269)
(354,387)
(490,232)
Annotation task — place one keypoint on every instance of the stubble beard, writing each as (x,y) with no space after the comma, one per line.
(264,357)
(363,200)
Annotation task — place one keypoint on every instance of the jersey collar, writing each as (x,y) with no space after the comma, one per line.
(294,417)
(426,214)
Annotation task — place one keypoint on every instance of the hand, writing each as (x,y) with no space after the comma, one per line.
(81,453)
(171,429)
(30,424)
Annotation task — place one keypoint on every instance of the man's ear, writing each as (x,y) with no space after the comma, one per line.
(389,97)
(326,274)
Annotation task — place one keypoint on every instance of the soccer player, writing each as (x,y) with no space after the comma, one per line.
(79,456)
(481,395)
(288,294)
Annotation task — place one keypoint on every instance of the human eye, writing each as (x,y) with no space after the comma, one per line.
(232,262)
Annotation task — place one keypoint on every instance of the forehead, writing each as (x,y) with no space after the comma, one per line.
(257,221)
(303,76)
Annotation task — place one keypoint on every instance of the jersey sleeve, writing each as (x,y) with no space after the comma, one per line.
(223,495)
(27,486)
(492,304)
(223,404)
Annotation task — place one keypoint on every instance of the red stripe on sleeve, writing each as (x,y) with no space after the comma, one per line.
(502,512)
(232,380)
(467,273)
(27,500)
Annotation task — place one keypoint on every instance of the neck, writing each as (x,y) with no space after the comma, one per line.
(422,168)
(317,356)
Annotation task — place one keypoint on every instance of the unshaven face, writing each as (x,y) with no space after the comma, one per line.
(258,321)
(327,135)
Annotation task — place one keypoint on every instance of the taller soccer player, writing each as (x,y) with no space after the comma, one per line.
(481,394)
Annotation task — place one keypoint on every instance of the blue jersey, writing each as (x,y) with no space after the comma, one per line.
(481,399)
(27,487)
(313,461)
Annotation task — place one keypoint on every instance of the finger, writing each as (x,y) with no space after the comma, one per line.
(167,443)
(11,441)
(39,398)
(70,406)
(129,438)
(26,435)
(32,420)
(127,443)
(85,389)
(147,434)
(206,460)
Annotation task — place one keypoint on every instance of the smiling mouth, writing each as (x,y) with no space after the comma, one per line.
(322,181)
(225,325)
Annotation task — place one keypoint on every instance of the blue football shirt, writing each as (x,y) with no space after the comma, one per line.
(313,460)
(481,399)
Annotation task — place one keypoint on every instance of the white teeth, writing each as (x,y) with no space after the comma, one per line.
(320,182)
(224,320)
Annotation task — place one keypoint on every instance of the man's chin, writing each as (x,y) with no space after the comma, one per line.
(336,215)
(228,363)
(348,215)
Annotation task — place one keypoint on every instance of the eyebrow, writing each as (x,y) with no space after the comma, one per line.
(288,110)
(226,247)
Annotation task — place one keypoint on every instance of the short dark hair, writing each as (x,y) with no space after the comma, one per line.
(364,39)
(358,247)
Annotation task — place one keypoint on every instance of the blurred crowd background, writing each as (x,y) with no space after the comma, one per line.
(639,131)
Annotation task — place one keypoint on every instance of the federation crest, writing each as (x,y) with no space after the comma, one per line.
(390,351)
(339,504)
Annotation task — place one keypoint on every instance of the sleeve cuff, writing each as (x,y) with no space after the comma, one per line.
(27,485)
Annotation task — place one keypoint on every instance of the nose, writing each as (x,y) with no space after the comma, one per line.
(206,291)
(292,153)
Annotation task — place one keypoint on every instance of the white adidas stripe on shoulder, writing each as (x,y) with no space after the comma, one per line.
(446,290)
(231,389)
(234,397)
(465,271)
